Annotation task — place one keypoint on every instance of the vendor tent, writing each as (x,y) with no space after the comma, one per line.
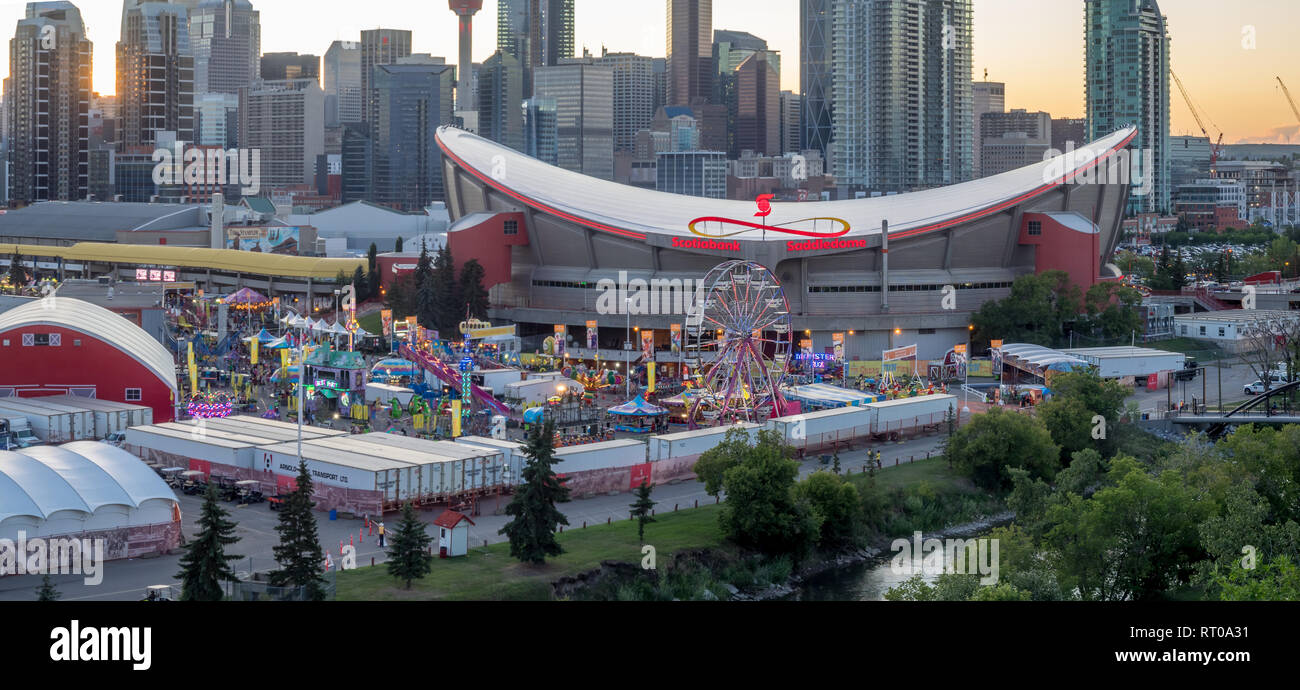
(637,407)
(247,296)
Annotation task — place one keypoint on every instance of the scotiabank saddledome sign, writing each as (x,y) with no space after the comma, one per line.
(806,227)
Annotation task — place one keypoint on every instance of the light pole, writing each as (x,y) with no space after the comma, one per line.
(627,348)
(302,383)
(337,293)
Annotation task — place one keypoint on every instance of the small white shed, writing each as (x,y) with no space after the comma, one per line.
(453,534)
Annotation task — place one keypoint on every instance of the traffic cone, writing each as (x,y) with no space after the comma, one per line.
(340,547)
(361,536)
(350,541)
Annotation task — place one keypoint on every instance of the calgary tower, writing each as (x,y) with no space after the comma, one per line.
(465,9)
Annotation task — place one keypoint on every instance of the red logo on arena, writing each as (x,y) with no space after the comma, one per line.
(728,227)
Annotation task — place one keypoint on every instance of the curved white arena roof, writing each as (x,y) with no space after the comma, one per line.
(96,322)
(634,212)
(81,476)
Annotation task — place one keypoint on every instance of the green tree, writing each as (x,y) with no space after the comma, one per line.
(734,448)
(642,509)
(299,552)
(372,271)
(401,297)
(1278,580)
(471,289)
(1132,540)
(408,554)
(534,517)
(1037,311)
(996,441)
(17,272)
(47,592)
(360,284)
(425,299)
(835,503)
(206,565)
(761,511)
(397,246)
(1069,422)
(449,308)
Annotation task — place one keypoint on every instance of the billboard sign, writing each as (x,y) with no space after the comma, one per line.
(265,240)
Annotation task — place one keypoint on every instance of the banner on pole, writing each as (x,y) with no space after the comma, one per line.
(592,332)
(648,345)
(676,331)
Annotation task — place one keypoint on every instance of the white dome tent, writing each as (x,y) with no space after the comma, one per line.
(87,489)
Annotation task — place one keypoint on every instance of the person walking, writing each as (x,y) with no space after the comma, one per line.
(381,535)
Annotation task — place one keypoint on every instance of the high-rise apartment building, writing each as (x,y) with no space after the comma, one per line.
(155,75)
(47,104)
(540,130)
(757,122)
(1127,83)
(379,47)
(584,109)
(690,51)
(227,39)
(1067,131)
(634,94)
(539,33)
(217,117)
(901,91)
(342,83)
(790,130)
(500,99)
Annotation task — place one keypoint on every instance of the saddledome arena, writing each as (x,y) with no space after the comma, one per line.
(547,236)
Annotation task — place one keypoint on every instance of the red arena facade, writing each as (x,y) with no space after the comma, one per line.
(64,346)
(548,236)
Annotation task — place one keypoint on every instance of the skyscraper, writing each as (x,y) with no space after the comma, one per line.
(730,50)
(1127,83)
(815,76)
(758,106)
(412,99)
(901,93)
(47,104)
(790,131)
(342,83)
(988,97)
(283,66)
(540,130)
(155,74)
(634,93)
(500,97)
(584,111)
(690,51)
(379,47)
(539,33)
(227,40)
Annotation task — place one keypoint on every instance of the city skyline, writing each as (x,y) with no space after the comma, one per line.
(1233,84)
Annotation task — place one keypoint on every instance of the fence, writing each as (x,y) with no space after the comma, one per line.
(260,589)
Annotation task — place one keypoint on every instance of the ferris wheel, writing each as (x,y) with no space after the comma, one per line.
(738,341)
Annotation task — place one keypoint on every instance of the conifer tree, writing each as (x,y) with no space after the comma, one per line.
(299,553)
(642,508)
(47,592)
(206,565)
(535,517)
(408,554)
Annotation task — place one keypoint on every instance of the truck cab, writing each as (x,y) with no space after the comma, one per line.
(18,433)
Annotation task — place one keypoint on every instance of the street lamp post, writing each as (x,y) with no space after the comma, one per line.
(627,348)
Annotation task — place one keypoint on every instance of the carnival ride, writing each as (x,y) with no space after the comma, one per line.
(450,376)
(738,342)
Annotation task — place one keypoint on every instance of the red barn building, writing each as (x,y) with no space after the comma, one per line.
(64,346)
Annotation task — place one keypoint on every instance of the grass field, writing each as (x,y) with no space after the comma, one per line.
(932,470)
(372,323)
(491,574)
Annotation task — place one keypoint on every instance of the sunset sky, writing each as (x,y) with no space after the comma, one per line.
(1035,46)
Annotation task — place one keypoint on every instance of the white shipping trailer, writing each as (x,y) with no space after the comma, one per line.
(686,443)
(823,425)
(109,416)
(513,452)
(384,393)
(905,413)
(599,456)
(49,425)
(496,379)
(446,467)
(535,391)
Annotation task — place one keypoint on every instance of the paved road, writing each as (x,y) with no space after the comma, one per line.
(127,580)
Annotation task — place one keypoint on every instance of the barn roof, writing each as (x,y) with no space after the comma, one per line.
(450,519)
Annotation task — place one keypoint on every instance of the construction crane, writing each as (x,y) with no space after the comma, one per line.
(1217,147)
(1289,99)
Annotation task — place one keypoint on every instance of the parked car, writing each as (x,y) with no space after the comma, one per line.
(1255,388)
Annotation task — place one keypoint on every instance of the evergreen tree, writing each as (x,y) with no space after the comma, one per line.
(472,291)
(535,517)
(206,564)
(372,271)
(47,592)
(409,558)
(299,553)
(361,285)
(397,246)
(448,306)
(425,298)
(17,274)
(641,509)
(835,461)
